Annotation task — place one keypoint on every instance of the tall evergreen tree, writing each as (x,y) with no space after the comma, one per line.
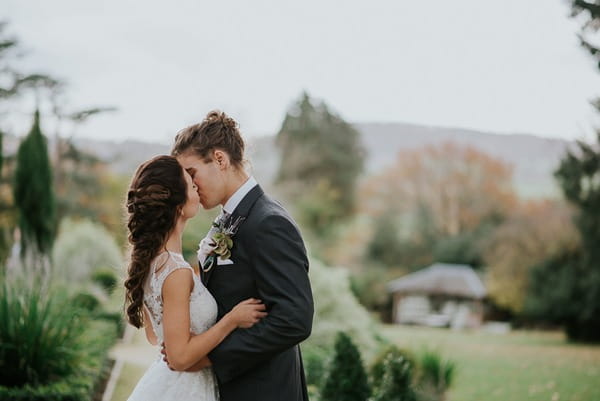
(14,84)
(347,379)
(34,194)
(591,11)
(322,158)
(566,288)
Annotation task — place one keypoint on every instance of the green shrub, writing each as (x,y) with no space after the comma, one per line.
(395,384)
(347,379)
(369,287)
(83,384)
(105,278)
(115,318)
(435,376)
(379,367)
(85,301)
(337,309)
(40,335)
(316,360)
(83,247)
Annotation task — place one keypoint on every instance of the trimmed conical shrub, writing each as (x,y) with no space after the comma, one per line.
(347,379)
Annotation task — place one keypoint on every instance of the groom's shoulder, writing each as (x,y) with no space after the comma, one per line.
(268,208)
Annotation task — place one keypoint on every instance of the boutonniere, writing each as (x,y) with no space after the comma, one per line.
(222,242)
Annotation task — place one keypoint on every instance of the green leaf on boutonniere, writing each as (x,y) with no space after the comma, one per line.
(223,245)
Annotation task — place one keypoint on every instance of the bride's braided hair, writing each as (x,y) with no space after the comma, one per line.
(216,131)
(155,197)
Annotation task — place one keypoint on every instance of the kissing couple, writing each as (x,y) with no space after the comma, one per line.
(230,331)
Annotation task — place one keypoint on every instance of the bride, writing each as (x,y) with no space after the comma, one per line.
(165,295)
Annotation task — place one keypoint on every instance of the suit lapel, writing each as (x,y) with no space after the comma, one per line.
(243,208)
(241,211)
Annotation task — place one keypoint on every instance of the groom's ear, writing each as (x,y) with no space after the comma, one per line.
(221,158)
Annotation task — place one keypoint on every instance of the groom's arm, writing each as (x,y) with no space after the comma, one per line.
(281,271)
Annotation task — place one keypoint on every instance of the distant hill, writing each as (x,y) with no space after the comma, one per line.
(534,158)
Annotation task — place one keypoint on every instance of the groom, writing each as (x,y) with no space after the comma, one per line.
(268,261)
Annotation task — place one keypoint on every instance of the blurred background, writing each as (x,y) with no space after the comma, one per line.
(441,158)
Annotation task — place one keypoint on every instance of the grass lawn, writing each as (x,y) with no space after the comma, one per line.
(520,366)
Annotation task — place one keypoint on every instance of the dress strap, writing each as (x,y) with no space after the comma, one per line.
(165,264)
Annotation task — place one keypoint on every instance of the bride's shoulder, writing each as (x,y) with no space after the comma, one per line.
(166,262)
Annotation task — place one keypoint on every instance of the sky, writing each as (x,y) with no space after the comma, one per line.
(508,66)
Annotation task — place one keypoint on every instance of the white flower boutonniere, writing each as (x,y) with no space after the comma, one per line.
(222,243)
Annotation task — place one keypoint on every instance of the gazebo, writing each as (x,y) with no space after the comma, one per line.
(444,295)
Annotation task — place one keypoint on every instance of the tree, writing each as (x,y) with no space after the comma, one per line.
(34,195)
(445,197)
(575,300)
(558,292)
(535,231)
(591,12)
(577,304)
(14,83)
(321,159)
(347,379)
(384,246)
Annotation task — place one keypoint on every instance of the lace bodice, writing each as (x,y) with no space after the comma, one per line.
(203,308)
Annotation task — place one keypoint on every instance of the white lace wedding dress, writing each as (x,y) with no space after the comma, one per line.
(159,383)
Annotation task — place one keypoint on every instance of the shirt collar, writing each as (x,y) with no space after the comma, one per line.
(238,195)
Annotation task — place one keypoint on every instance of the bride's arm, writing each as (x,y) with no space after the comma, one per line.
(150,335)
(184,349)
(203,363)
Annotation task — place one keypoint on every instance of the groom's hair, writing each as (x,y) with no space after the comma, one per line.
(216,131)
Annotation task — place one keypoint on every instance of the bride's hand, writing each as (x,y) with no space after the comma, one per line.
(247,313)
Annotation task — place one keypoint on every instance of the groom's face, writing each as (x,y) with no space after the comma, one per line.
(207,177)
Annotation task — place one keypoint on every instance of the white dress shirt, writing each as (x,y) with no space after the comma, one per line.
(238,195)
(204,248)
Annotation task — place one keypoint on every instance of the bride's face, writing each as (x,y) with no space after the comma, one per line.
(207,177)
(190,208)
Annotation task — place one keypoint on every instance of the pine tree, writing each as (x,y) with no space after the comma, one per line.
(347,379)
(566,288)
(322,158)
(591,12)
(34,195)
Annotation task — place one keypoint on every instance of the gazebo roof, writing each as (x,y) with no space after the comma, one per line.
(440,278)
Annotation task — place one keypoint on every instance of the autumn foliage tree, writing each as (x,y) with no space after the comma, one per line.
(442,194)
(534,231)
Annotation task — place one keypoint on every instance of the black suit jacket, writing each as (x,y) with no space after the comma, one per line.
(263,362)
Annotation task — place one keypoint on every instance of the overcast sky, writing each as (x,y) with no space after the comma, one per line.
(510,66)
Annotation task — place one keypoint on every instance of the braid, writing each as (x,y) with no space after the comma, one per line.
(157,192)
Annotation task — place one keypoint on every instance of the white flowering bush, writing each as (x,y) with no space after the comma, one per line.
(82,248)
(337,309)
